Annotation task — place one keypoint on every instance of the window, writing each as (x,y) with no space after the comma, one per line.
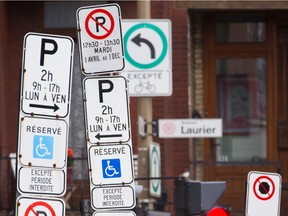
(241,103)
(235,28)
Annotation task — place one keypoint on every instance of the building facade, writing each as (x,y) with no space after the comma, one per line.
(229,62)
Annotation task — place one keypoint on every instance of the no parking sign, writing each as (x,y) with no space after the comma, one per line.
(263,194)
(100,38)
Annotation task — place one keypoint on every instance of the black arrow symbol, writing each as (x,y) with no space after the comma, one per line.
(138,40)
(98,136)
(55,107)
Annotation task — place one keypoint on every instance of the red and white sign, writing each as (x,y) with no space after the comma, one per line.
(263,194)
(100,38)
(29,206)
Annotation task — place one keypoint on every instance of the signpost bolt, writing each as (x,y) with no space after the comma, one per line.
(29,164)
(18,204)
(24,70)
(22,119)
(57,116)
(20,155)
(79,30)
(32,114)
(54,165)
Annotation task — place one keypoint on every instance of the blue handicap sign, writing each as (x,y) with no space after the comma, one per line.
(111,168)
(43,147)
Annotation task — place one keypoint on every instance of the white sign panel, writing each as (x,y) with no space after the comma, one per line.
(29,206)
(42,142)
(106,109)
(111,164)
(114,213)
(116,197)
(189,128)
(263,194)
(100,38)
(46,74)
(155,169)
(148,57)
(40,181)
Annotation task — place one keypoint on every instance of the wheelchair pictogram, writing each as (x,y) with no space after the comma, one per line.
(43,147)
(111,168)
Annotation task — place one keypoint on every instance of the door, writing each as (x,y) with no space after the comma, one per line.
(239,85)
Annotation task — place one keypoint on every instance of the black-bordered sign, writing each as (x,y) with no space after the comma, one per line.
(46,79)
(31,206)
(148,55)
(263,193)
(100,39)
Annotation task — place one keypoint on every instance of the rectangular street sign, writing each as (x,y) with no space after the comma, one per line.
(113,197)
(189,128)
(42,142)
(26,206)
(41,181)
(46,75)
(111,164)
(106,109)
(148,56)
(100,38)
(263,193)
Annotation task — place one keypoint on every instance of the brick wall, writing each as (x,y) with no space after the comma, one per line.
(196,145)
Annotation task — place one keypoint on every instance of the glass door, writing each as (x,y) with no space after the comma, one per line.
(241,104)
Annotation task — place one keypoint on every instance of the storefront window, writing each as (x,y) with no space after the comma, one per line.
(241,103)
(234,29)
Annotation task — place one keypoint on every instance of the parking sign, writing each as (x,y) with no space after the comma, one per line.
(100,38)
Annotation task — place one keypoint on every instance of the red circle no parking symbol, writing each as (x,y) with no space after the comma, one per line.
(40,208)
(99,24)
(264,188)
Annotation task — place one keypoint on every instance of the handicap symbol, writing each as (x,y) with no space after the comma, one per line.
(43,147)
(111,168)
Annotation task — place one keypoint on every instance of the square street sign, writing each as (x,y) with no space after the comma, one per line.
(106,109)
(111,164)
(46,74)
(100,38)
(148,56)
(263,193)
(42,142)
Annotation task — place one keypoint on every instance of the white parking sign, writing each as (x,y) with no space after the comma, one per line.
(43,142)
(100,38)
(47,74)
(106,109)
